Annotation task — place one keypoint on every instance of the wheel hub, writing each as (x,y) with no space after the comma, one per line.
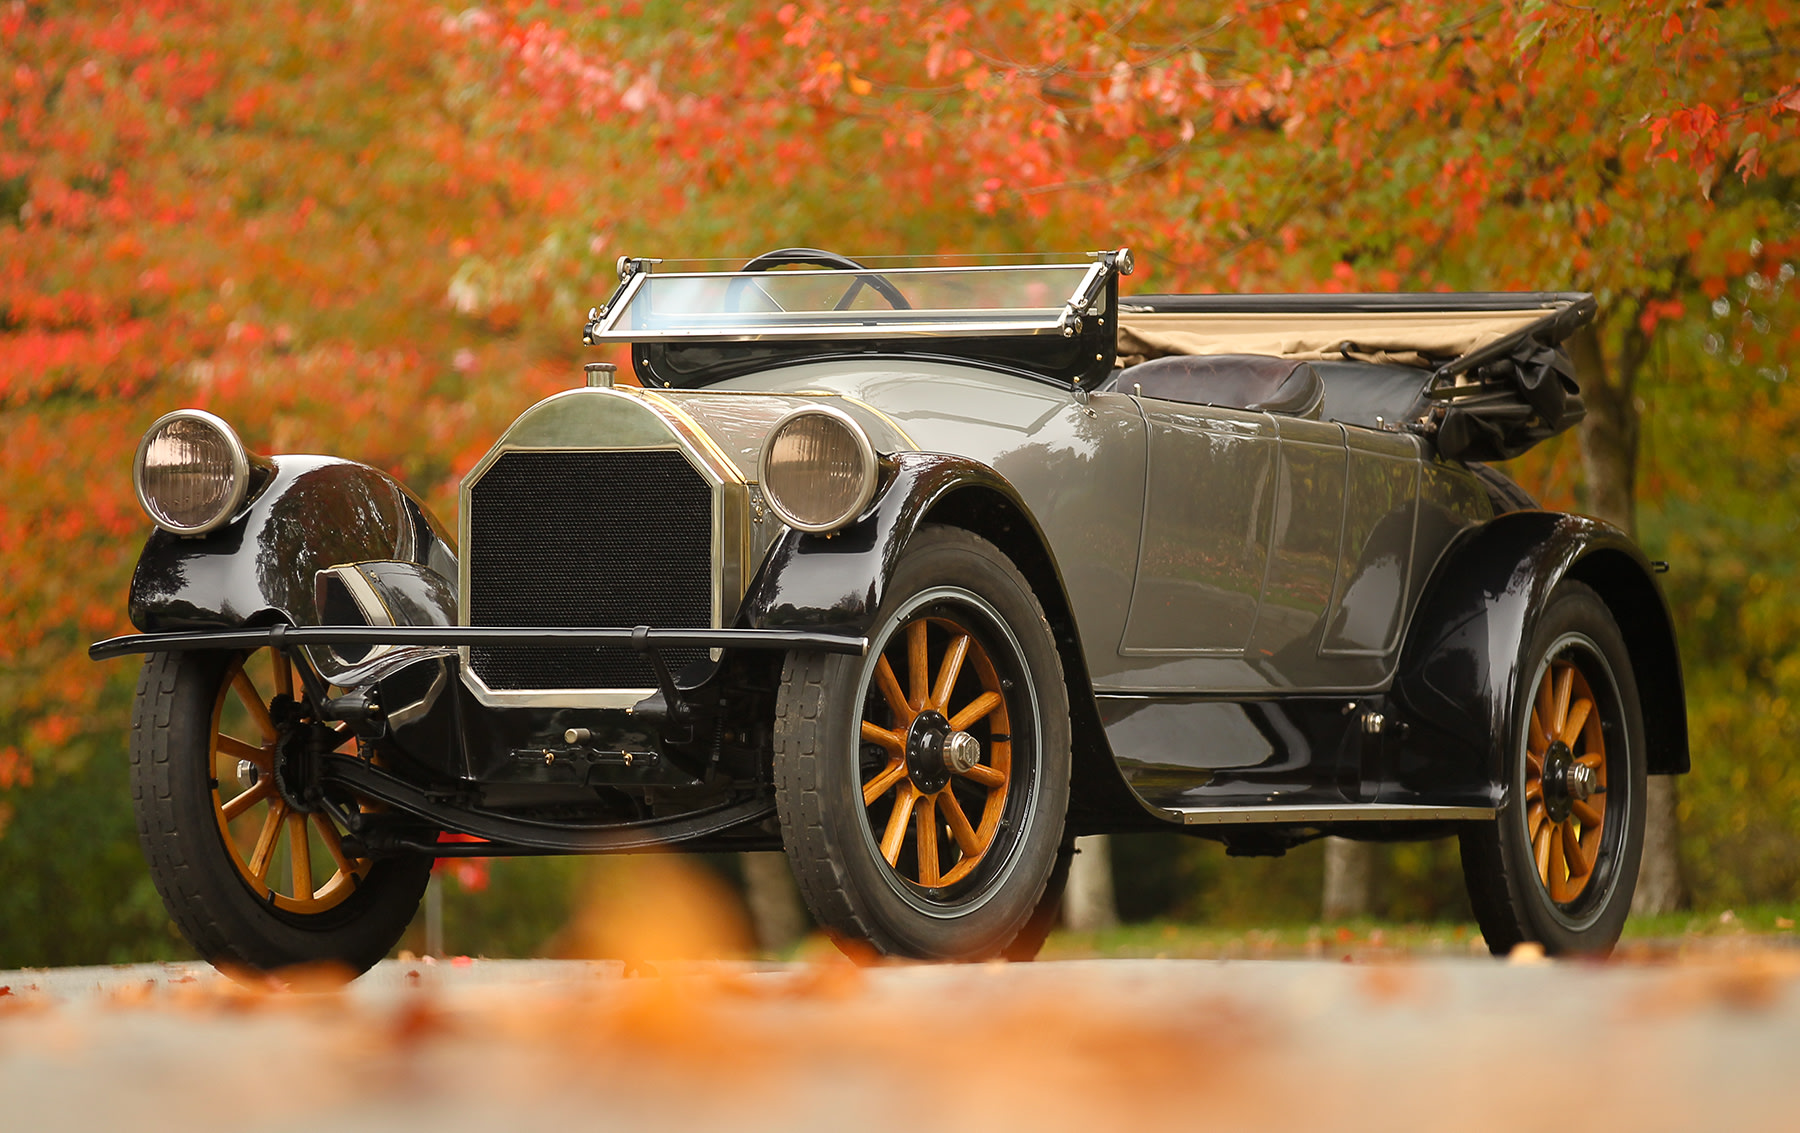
(926,741)
(1565,781)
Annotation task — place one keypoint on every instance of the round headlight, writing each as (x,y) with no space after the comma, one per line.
(818,469)
(191,472)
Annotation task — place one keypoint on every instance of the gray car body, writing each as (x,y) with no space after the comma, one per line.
(1215,562)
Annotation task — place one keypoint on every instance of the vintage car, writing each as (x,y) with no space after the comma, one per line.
(917,571)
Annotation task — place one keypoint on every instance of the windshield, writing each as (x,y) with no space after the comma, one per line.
(846,303)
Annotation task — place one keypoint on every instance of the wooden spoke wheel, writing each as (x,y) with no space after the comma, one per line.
(941,753)
(1559,862)
(1565,781)
(291,857)
(253,875)
(921,789)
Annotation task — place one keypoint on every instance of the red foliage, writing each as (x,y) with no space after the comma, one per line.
(371,229)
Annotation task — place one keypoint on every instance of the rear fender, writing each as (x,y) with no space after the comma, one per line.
(1463,663)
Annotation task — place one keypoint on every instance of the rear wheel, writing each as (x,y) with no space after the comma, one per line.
(1559,864)
(921,789)
(252,874)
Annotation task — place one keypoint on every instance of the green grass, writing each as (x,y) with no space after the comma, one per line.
(1361,938)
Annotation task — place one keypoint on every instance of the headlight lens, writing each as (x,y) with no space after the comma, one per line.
(191,472)
(818,469)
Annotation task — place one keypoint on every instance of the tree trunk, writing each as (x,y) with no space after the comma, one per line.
(1660,887)
(776,914)
(1088,904)
(1349,879)
(1609,451)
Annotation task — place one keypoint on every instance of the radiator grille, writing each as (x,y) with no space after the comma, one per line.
(587,539)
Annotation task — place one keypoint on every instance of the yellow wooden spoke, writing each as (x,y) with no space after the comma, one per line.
(284,674)
(977,710)
(926,834)
(1546,704)
(878,786)
(254,702)
(890,688)
(948,672)
(1540,849)
(1591,816)
(1565,683)
(265,842)
(300,856)
(958,822)
(985,775)
(1535,816)
(876,734)
(1578,717)
(238,749)
(919,662)
(263,789)
(1540,739)
(333,844)
(1580,865)
(895,835)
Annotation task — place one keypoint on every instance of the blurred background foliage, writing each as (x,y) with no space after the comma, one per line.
(371,229)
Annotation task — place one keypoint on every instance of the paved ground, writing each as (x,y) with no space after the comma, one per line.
(1708,1042)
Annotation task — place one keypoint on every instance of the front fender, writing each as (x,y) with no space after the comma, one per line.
(316,512)
(837,581)
(1463,663)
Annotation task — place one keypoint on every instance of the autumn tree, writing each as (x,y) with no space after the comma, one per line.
(371,229)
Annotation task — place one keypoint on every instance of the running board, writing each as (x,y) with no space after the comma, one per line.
(1288,814)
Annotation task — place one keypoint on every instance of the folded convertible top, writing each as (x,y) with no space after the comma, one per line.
(1493,375)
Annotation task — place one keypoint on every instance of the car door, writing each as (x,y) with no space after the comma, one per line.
(1203,554)
(1305,546)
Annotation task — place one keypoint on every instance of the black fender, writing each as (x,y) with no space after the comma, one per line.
(312,513)
(1462,663)
(837,582)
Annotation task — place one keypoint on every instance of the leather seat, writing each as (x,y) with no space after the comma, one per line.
(1260,383)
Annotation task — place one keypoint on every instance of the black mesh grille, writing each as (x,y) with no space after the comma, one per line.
(587,539)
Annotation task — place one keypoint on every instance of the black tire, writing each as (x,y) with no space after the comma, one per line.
(179,791)
(1048,914)
(952,584)
(1524,889)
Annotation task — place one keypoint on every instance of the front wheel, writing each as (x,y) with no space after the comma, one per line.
(921,789)
(1559,864)
(252,874)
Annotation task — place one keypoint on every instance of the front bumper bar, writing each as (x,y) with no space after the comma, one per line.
(642,639)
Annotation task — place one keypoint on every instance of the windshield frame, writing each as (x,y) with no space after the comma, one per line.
(1088,297)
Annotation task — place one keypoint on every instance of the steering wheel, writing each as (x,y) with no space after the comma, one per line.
(784,257)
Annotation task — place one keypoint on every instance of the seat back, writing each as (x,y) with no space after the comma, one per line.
(1259,383)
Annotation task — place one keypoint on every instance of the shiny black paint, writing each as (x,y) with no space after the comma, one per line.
(315,512)
(1193,752)
(1463,664)
(836,582)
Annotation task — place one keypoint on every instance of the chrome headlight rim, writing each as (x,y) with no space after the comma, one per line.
(240,471)
(870,461)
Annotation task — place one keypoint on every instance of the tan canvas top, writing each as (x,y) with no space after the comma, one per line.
(1404,337)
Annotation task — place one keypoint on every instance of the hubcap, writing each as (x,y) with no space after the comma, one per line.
(925,743)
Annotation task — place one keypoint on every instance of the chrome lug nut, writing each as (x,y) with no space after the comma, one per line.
(961,752)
